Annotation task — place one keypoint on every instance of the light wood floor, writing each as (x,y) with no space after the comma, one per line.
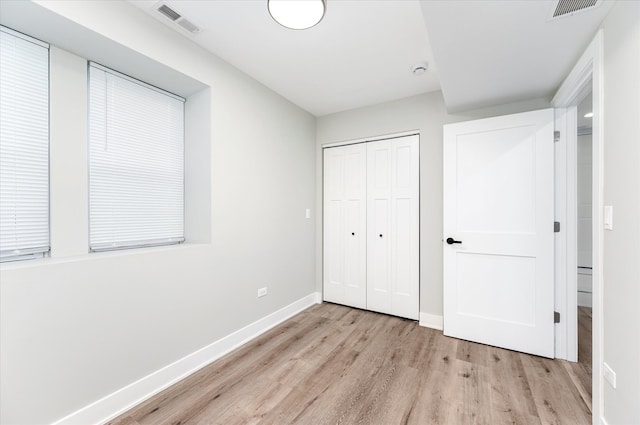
(336,365)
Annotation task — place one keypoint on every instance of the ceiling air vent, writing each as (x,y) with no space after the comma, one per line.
(169,12)
(569,7)
(177,18)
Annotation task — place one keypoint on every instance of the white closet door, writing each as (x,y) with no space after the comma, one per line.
(345,243)
(393,226)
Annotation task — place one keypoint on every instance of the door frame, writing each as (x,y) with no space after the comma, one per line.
(586,74)
(371,139)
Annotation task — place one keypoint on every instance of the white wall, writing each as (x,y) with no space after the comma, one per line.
(426,113)
(77,327)
(621,267)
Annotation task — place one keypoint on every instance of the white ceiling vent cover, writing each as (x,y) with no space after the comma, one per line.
(564,8)
(170,13)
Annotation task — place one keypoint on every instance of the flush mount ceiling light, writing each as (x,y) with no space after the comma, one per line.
(419,68)
(297,14)
(588,115)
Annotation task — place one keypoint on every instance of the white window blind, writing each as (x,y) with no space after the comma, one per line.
(136,163)
(24,146)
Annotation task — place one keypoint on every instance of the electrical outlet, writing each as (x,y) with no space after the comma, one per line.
(609,375)
(262,292)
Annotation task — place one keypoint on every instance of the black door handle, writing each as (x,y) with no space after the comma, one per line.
(451,241)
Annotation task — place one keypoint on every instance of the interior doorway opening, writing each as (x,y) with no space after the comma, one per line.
(582,369)
(585,78)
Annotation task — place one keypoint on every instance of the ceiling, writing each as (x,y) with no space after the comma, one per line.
(508,51)
(480,52)
(360,53)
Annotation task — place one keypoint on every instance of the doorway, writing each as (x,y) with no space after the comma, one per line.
(585,78)
(581,370)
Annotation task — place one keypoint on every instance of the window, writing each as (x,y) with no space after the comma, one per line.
(24,146)
(136,163)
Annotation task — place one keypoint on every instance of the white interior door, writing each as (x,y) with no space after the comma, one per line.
(345,241)
(393,226)
(498,212)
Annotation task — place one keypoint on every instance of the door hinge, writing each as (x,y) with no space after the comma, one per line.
(556,226)
(556,136)
(556,317)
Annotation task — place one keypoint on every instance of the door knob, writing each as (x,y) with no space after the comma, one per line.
(451,241)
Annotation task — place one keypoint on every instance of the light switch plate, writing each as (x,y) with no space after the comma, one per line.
(307,213)
(608,217)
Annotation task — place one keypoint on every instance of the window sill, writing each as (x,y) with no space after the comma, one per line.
(93,256)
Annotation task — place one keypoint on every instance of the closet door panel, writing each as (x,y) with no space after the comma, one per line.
(344,249)
(354,253)
(379,239)
(393,233)
(378,250)
(333,252)
(333,259)
(405,231)
(402,242)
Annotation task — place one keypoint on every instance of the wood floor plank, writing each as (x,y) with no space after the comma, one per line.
(190,389)
(471,394)
(345,396)
(581,380)
(556,397)
(416,345)
(336,365)
(511,397)
(433,402)
(329,371)
(471,352)
(580,371)
(231,388)
(390,403)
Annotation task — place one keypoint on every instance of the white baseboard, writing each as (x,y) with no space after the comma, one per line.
(135,393)
(432,321)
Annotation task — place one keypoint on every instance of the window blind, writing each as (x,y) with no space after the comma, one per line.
(24,146)
(136,163)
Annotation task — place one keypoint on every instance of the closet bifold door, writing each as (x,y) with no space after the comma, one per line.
(393,226)
(345,240)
